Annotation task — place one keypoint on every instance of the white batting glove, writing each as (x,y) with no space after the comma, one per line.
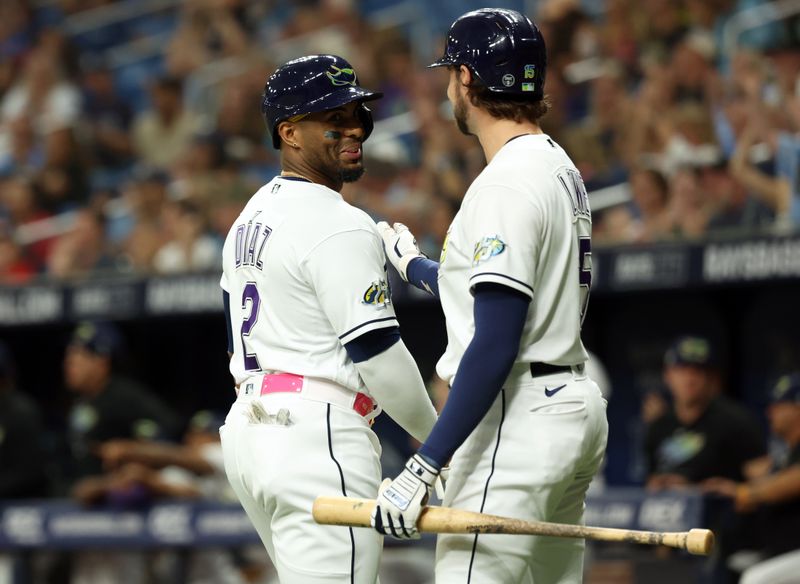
(400,503)
(400,246)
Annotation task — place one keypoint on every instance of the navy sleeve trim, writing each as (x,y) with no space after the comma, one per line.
(363,324)
(226,302)
(372,343)
(520,282)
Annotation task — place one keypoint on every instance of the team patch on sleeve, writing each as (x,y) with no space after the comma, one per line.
(487,248)
(377,294)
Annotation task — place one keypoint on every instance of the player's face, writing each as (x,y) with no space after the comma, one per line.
(332,142)
(83,368)
(783,418)
(688,384)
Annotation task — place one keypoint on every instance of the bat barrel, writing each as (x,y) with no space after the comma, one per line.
(357,513)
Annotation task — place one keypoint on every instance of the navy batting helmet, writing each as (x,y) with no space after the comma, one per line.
(502,48)
(313,84)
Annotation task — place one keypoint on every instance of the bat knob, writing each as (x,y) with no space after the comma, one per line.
(700,542)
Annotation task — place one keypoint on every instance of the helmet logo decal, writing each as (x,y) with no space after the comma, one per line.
(530,71)
(343,76)
(508,80)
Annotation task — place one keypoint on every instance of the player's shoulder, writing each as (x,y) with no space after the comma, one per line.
(529,165)
(530,156)
(331,214)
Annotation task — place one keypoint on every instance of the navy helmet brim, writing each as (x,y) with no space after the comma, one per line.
(445,61)
(335,99)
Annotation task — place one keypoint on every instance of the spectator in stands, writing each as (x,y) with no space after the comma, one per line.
(23,153)
(648,218)
(650,193)
(16,39)
(689,209)
(108,116)
(780,192)
(190,248)
(692,66)
(22,452)
(19,207)
(600,141)
(703,434)
(141,203)
(163,133)
(15,267)
(733,209)
(774,493)
(82,251)
(43,94)
(206,31)
(107,405)
(62,182)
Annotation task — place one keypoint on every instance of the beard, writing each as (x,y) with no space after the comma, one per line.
(351,175)
(460,114)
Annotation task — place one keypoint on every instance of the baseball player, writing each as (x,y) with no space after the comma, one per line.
(313,336)
(524,428)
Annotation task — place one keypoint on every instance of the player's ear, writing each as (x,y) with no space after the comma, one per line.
(288,133)
(464,75)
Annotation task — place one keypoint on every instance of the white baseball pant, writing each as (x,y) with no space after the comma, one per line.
(277,470)
(532,457)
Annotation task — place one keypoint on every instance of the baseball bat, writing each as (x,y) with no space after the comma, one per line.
(353,512)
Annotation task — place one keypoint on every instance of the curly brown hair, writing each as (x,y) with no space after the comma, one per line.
(503,107)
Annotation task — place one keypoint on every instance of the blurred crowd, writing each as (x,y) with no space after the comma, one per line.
(116,161)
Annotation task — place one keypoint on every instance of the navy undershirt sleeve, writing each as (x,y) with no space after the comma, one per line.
(226,302)
(500,315)
(372,343)
(424,274)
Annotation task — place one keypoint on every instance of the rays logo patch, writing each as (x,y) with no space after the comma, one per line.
(377,294)
(679,448)
(487,248)
(338,77)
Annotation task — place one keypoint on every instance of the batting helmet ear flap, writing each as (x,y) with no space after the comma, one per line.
(365,115)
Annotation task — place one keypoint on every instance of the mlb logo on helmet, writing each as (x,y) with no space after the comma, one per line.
(529,73)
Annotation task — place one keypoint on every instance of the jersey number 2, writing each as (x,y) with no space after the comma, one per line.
(250,296)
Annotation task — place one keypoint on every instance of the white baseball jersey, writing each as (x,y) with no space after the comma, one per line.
(524,223)
(306,273)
